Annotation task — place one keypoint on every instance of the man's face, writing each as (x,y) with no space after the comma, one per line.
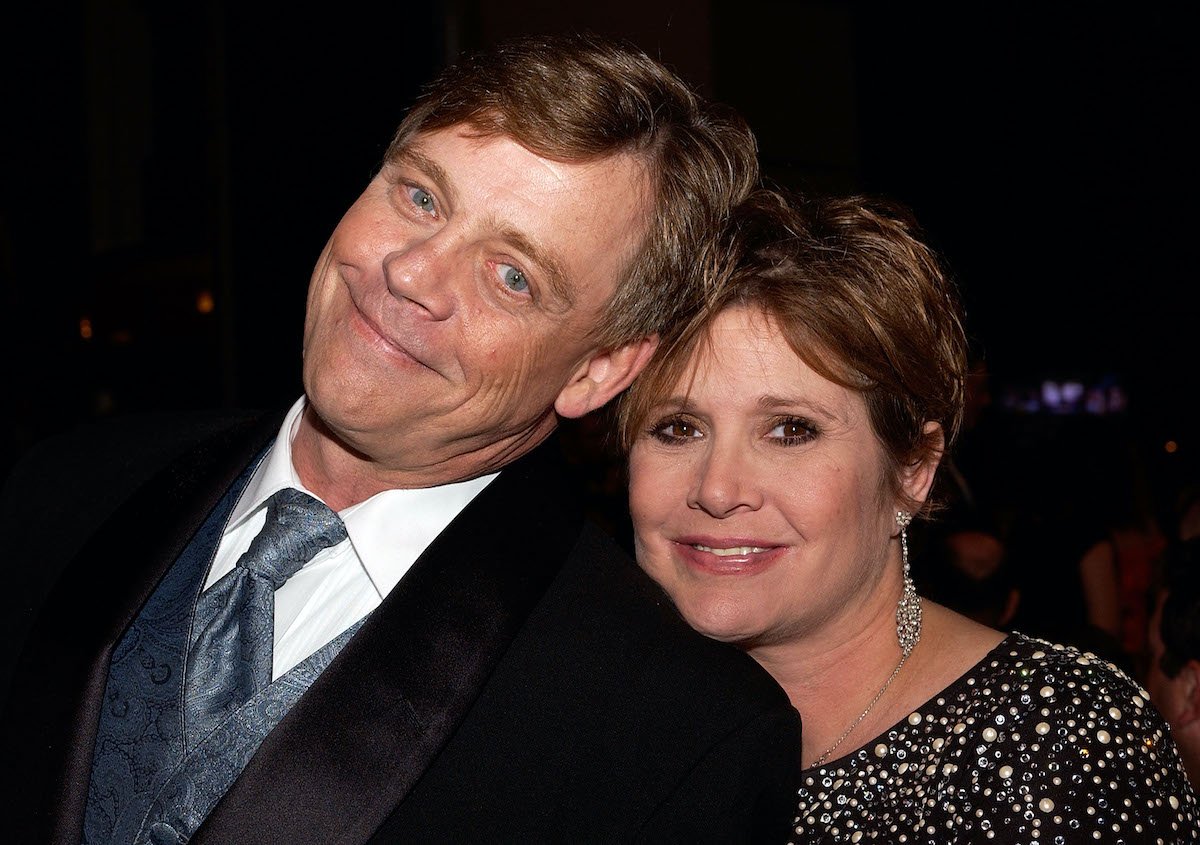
(451,305)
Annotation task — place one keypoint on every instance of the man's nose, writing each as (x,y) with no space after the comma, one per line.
(422,272)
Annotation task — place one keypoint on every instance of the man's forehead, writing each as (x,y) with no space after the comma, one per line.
(415,145)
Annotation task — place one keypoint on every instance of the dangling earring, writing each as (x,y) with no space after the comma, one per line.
(908,611)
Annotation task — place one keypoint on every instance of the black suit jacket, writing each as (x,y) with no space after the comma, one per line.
(524,682)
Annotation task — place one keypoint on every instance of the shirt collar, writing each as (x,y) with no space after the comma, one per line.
(274,473)
(389,531)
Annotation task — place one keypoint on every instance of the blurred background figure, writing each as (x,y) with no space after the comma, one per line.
(967,569)
(1189,513)
(1117,569)
(1173,675)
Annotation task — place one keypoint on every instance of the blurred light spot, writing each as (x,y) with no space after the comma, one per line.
(85,328)
(204,302)
(1172,447)
(1051,395)
(121,337)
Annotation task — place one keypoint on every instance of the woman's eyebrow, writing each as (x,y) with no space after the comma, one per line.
(771,402)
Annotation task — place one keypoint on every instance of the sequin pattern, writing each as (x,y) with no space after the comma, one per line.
(1038,743)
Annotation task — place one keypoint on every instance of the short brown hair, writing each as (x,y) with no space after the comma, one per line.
(582,97)
(860,298)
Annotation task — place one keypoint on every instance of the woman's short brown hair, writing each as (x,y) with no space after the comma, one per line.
(580,97)
(860,297)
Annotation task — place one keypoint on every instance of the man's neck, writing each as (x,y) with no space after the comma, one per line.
(343,476)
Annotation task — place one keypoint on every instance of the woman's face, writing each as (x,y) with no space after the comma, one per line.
(758,492)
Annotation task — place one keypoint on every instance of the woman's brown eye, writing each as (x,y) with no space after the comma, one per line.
(791,432)
(674,431)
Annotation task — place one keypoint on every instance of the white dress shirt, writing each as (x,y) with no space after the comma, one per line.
(343,583)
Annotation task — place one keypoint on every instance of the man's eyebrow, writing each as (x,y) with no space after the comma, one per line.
(555,275)
(410,156)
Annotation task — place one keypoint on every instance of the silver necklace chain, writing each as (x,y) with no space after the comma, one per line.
(863,715)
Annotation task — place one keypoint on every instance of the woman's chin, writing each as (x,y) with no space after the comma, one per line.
(724,621)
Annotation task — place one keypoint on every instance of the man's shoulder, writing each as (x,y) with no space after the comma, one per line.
(117,454)
(625,624)
(113,447)
(68,484)
(609,719)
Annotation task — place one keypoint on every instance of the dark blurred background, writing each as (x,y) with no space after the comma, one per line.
(171,172)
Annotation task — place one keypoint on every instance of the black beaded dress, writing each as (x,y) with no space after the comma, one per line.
(1037,743)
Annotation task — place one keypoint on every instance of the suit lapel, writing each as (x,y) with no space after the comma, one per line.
(63,673)
(353,747)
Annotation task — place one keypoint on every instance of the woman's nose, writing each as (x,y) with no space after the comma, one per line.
(726,483)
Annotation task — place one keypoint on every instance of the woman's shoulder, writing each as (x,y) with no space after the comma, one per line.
(1031,674)
(1076,741)
(1034,742)
(1025,656)
(1054,699)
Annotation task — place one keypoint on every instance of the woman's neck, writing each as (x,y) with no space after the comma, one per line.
(832,676)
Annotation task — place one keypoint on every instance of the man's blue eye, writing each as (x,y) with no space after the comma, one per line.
(422,199)
(513,278)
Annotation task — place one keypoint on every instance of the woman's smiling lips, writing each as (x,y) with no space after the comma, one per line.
(727,555)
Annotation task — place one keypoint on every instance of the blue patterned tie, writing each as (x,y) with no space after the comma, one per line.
(232,656)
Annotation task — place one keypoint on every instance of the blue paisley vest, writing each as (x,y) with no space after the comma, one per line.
(153,782)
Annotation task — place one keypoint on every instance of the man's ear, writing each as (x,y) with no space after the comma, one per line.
(602,376)
(1189,681)
(918,478)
